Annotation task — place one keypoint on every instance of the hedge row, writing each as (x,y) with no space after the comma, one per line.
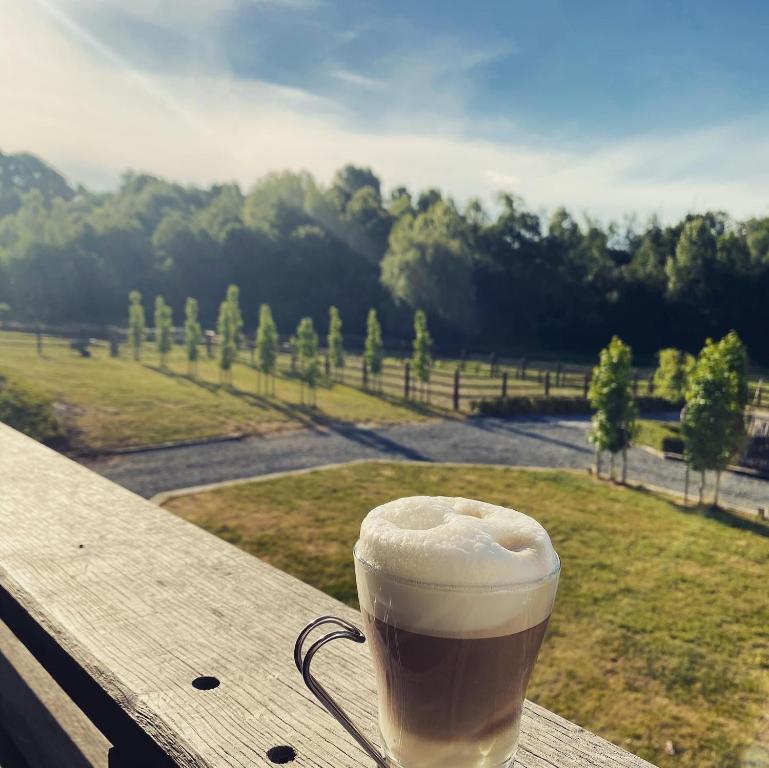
(672,445)
(557,406)
(29,410)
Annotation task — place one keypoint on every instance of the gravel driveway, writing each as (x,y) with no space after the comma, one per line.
(542,441)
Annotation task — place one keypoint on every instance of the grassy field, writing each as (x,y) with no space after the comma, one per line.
(654,433)
(661,627)
(110,403)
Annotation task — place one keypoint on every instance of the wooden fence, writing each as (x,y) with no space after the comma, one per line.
(453,384)
(452,387)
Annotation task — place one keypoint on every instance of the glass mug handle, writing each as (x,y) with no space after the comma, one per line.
(347,632)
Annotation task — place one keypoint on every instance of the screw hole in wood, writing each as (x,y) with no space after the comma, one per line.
(205,683)
(281,754)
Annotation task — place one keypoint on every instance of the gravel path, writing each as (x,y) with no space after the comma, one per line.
(546,442)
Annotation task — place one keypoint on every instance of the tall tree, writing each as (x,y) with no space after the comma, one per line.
(227,332)
(689,269)
(164,329)
(712,423)
(673,371)
(136,328)
(233,299)
(429,263)
(307,351)
(373,351)
(647,265)
(266,345)
(335,341)
(611,395)
(736,358)
(193,335)
(421,359)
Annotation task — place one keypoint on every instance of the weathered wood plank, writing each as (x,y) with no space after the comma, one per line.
(141,603)
(43,724)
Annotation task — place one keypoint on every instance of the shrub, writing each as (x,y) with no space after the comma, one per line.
(553,406)
(674,369)
(29,410)
(671,444)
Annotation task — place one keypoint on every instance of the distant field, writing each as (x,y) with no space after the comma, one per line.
(661,626)
(109,403)
(116,402)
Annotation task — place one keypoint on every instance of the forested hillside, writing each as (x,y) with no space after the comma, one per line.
(508,280)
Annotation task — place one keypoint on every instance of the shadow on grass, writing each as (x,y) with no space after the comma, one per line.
(210,386)
(305,415)
(711,512)
(422,408)
(734,520)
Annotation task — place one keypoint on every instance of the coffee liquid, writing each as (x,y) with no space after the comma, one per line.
(447,689)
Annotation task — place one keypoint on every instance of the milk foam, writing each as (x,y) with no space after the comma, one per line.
(455,541)
(455,567)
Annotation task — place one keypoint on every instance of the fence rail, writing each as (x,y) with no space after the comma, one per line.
(452,384)
(452,387)
(177,645)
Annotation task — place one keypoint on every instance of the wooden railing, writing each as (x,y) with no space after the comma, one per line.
(176,645)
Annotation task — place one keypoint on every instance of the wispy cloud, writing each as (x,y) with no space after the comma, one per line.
(358,80)
(172,12)
(89,114)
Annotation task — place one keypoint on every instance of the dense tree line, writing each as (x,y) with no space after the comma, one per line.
(512,280)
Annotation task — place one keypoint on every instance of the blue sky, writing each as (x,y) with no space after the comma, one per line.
(656,107)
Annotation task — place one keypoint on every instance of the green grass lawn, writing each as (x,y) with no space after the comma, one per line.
(116,402)
(656,433)
(661,626)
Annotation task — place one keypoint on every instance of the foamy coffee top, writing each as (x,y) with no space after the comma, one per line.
(454,567)
(455,541)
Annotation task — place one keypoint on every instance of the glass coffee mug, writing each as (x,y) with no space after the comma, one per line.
(452,666)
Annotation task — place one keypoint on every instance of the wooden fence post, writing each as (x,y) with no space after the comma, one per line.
(327,366)
(406,380)
(650,386)
(547,383)
(364,375)
(504,384)
(456,389)
(523,368)
(586,385)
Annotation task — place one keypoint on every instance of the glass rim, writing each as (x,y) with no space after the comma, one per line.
(508,587)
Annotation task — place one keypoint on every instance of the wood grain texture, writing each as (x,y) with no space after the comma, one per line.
(142,603)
